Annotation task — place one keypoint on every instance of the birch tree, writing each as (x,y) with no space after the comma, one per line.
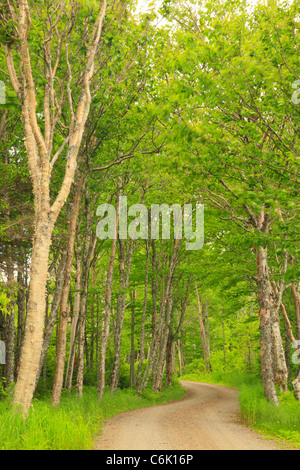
(58,30)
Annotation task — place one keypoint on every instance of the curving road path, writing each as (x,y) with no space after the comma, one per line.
(205,420)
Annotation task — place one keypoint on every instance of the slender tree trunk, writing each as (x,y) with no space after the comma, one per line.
(21,301)
(179,357)
(45,375)
(86,348)
(121,304)
(154,293)
(107,312)
(169,362)
(296,296)
(287,351)
(158,384)
(74,324)
(10,338)
(206,320)
(81,341)
(93,317)
(89,251)
(224,345)
(53,314)
(290,337)
(63,316)
(142,336)
(132,345)
(97,338)
(204,341)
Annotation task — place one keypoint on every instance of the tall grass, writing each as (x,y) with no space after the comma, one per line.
(229,379)
(75,423)
(281,422)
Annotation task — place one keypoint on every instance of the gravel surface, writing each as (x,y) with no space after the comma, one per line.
(205,420)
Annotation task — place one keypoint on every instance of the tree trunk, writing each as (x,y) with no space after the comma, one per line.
(290,334)
(34,330)
(132,346)
(21,301)
(279,362)
(264,299)
(166,312)
(142,336)
(81,342)
(107,312)
(63,316)
(74,324)
(39,147)
(158,363)
(53,314)
(179,358)
(206,320)
(203,333)
(93,317)
(287,351)
(224,345)
(169,363)
(10,337)
(296,295)
(164,334)
(154,294)
(121,304)
(89,251)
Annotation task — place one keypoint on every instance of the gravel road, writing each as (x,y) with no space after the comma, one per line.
(205,420)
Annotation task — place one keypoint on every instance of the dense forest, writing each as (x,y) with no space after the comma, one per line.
(180,106)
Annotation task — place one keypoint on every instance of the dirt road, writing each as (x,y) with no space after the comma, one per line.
(205,420)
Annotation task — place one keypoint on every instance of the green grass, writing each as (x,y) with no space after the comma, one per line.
(76,423)
(228,379)
(280,423)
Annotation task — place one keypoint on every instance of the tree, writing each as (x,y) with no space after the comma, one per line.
(228,105)
(40,143)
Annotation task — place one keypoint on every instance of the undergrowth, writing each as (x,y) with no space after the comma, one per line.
(76,422)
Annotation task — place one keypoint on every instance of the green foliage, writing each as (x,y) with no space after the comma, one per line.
(5,391)
(76,423)
(8,32)
(4,303)
(230,379)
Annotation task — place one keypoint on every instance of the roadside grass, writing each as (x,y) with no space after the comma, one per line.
(280,423)
(227,379)
(74,424)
